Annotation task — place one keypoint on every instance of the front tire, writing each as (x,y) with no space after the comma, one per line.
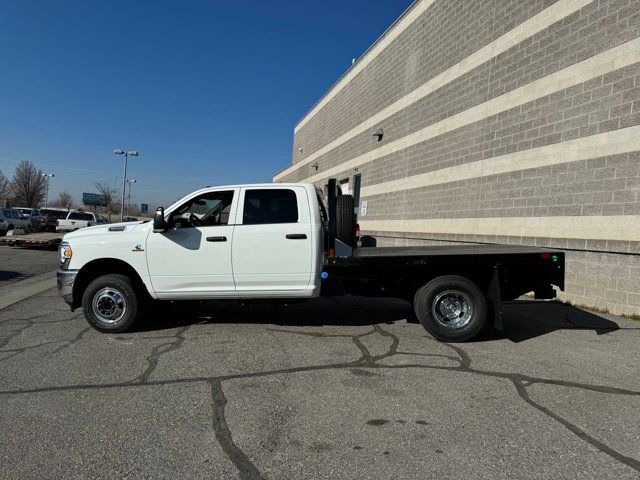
(111,304)
(451,308)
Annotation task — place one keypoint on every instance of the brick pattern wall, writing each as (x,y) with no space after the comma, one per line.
(547,128)
(448,32)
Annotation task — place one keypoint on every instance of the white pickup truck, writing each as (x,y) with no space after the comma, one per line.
(280,243)
(77,220)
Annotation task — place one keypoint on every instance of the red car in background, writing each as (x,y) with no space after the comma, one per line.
(48,218)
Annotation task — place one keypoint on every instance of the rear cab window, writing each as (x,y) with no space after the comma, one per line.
(80,216)
(270,206)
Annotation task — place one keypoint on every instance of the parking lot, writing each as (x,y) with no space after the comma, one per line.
(344,388)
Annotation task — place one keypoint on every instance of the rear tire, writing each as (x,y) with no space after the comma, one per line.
(345,220)
(111,304)
(451,308)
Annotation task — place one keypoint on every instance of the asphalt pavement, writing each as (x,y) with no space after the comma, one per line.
(346,388)
(18,263)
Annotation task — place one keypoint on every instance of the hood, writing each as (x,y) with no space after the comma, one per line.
(108,229)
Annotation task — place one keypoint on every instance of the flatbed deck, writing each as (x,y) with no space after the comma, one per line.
(447,250)
(41,239)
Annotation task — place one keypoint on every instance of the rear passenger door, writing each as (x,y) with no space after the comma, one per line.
(272,242)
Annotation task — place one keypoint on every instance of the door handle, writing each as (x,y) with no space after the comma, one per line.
(216,239)
(296,236)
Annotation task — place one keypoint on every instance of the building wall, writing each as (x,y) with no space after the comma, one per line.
(505,121)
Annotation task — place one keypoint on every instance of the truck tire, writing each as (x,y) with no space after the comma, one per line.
(451,308)
(345,220)
(111,304)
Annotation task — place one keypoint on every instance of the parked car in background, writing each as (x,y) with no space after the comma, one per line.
(32,215)
(14,218)
(4,226)
(77,220)
(47,218)
(130,219)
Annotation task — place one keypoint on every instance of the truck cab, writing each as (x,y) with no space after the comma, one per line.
(250,242)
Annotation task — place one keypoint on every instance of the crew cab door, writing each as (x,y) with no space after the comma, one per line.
(193,258)
(272,243)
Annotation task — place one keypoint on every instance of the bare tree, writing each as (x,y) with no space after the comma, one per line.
(109,197)
(64,200)
(5,188)
(28,185)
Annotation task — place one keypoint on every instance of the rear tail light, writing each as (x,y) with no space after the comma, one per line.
(549,256)
(357,230)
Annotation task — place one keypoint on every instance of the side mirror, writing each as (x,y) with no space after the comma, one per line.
(159,224)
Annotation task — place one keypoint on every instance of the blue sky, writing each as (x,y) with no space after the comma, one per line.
(207,91)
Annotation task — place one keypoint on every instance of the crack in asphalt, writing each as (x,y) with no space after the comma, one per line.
(17,351)
(73,341)
(158,351)
(366,360)
(30,322)
(246,468)
(603,447)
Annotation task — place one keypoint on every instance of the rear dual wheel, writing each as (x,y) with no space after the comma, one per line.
(451,308)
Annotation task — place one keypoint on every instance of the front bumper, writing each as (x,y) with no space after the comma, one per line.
(66,278)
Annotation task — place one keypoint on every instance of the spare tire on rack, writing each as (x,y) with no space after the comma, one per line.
(345,220)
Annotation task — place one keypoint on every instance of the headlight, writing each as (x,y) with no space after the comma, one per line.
(65,252)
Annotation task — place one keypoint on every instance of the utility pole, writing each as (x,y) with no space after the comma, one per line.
(130,181)
(46,197)
(126,154)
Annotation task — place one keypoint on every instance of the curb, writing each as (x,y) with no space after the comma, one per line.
(26,288)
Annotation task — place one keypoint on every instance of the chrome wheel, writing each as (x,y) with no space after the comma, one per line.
(109,305)
(452,309)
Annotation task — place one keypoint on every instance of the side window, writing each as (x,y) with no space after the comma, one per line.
(7,213)
(270,206)
(206,210)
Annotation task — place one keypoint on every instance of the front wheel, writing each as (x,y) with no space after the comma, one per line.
(451,308)
(111,303)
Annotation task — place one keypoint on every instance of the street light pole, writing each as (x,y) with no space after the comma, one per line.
(126,154)
(46,197)
(130,181)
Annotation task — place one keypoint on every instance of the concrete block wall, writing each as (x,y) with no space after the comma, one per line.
(506,121)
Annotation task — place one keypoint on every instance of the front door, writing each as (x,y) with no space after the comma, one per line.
(193,258)
(272,243)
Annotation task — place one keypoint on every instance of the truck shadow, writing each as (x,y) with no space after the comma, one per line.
(523,319)
(350,311)
(527,319)
(10,275)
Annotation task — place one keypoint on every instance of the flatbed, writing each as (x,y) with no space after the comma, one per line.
(285,243)
(437,250)
(41,239)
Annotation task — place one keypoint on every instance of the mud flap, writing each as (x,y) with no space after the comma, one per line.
(494,299)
